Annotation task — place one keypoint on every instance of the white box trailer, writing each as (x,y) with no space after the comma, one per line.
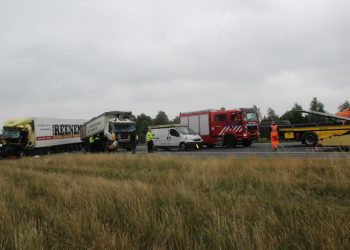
(41,135)
(53,132)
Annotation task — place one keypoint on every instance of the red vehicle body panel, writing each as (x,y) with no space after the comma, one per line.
(214,126)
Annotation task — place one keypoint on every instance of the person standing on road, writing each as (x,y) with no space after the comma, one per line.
(92,144)
(149,140)
(274,136)
(133,142)
(98,143)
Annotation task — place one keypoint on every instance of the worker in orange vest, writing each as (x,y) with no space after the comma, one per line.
(274,136)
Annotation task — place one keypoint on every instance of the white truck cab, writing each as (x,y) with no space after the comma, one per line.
(175,136)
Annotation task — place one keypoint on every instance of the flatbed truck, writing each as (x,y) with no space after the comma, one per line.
(334,133)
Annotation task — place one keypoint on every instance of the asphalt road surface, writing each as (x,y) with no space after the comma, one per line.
(258,150)
(295,149)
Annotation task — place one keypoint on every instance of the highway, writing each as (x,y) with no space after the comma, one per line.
(255,150)
(258,150)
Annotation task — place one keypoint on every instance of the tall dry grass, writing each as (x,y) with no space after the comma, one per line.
(160,202)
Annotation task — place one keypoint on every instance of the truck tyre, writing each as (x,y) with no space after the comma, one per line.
(230,141)
(182,146)
(247,143)
(20,154)
(310,139)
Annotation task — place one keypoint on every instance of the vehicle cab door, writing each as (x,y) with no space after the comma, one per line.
(220,120)
(174,138)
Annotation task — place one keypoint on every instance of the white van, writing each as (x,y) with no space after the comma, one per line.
(175,136)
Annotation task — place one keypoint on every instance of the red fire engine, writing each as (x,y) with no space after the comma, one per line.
(224,127)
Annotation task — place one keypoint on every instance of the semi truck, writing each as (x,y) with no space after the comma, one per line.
(224,127)
(36,135)
(101,132)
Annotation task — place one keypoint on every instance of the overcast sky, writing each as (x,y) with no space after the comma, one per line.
(79,58)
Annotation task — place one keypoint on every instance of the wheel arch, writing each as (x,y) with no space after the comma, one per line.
(227,137)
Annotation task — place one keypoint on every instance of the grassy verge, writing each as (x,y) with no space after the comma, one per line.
(155,202)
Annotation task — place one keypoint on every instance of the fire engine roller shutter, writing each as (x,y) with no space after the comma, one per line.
(194,123)
(184,120)
(204,124)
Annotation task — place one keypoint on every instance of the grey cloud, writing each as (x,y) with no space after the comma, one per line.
(84,57)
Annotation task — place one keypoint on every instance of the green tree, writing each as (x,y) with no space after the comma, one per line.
(293,116)
(161,119)
(344,105)
(176,120)
(271,115)
(142,123)
(316,105)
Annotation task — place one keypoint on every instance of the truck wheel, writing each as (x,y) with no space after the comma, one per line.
(182,146)
(310,139)
(20,154)
(230,142)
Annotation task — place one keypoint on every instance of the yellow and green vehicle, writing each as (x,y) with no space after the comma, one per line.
(335,133)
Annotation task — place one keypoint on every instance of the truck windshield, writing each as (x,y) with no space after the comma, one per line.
(124,128)
(12,134)
(186,131)
(250,117)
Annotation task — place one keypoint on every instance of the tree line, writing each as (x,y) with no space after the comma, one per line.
(143,121)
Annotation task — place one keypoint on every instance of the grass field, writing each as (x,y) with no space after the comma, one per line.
(158,202)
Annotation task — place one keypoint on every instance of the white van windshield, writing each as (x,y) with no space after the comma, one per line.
(186,131)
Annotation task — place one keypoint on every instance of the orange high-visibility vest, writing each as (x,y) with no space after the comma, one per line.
(273,128)
(274,137)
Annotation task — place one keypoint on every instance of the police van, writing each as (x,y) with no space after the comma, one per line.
(175,136)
